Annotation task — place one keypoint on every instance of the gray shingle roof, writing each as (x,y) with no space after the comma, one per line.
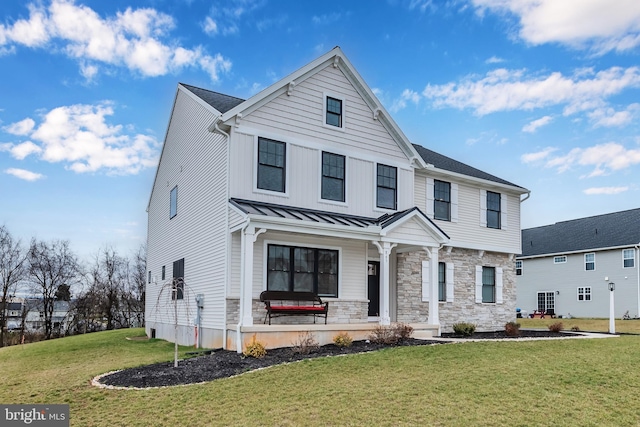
(219,101)
(595,232)
(448,164)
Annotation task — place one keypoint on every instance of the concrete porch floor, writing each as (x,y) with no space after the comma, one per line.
(275,336)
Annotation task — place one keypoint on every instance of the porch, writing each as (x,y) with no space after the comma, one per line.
(286,335)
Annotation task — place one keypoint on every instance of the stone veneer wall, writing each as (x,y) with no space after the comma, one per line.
(340,311)
(486,317)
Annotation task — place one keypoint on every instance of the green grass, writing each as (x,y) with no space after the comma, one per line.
(588,382)
(595,325)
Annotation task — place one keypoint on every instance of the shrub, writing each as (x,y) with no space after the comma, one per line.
(402,331)
(463,328)
(343,340)
(305,344)
(382,335)
(575,328)
(512,329)
(556,327)
(255,349)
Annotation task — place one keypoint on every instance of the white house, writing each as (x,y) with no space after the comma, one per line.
(565,268)
(311,185)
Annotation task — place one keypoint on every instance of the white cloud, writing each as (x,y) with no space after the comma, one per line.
(135,39)
(507,90)
(23,127)
(605,190)
(24,174)
(494,60)
(534,125)
(326,19)
(598,25)
(80,136)
(608,117)
(226,19)
(209,26)
(537,156)
(407,95)
(21,151)
(603,158)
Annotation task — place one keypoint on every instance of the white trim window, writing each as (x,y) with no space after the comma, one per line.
(441,205)
(628,258)
(519,268)
(333,177)
(493,210)
(560,259)
(271,165)
(590,261)
(489,285)
(333,111)
(584,293)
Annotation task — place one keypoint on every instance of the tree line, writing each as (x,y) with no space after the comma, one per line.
(105,293)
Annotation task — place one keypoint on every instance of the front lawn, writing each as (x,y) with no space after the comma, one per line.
(586,382)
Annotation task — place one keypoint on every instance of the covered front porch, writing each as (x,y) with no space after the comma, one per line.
(287,335)
(363,271)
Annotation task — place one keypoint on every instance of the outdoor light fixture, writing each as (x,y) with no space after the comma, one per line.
(612,322)
(612,286)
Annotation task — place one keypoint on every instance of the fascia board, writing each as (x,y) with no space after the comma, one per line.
(485,183)
(297,226)
(280,86)
(433,232)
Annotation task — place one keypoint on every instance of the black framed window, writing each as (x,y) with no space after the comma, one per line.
(488,284)
(299,269)
(442,200)
(334,112)
(386,195)
(271,165)
(333,177)
(442,281)
(173,202)
(584,293)
(493,209)
(178,280)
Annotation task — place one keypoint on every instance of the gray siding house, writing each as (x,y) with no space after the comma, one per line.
(565,268)
(311,185)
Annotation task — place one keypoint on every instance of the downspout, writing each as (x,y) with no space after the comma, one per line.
(526,197)
(214,127)
(242,279)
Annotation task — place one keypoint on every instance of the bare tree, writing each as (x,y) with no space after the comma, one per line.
(12,271)
(51,264)
(109,275)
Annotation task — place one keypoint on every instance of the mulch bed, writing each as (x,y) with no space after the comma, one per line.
(224,363)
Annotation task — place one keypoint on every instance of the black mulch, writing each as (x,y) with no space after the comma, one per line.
(224,363)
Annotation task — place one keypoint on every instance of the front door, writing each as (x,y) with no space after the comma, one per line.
(374,288)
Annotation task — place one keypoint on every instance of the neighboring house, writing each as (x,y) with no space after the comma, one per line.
(565,268)
(311,185)
(13,313)
(60,320)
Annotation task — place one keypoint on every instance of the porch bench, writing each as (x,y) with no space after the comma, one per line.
(286,303)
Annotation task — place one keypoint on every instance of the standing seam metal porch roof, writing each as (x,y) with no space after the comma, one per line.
(323,217)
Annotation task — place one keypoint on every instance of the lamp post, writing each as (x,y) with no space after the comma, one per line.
(612,322)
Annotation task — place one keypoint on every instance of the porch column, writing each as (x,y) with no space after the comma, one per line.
(384,250)
(246,288)
(434,315)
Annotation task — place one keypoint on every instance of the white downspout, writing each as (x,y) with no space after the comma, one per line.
(215,128)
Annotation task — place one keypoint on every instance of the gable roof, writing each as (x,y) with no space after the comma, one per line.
(611,230)
(440,161)
(219,101)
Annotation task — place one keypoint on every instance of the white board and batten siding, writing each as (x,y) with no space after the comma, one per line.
(194,160)
(466,228)
(298,121)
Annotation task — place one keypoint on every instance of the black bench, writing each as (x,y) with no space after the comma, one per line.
(285,303)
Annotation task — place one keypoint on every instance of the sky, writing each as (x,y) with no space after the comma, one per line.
(542,93)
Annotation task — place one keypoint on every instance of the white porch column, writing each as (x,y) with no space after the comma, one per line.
(246,288)
(385,290)
(434,315)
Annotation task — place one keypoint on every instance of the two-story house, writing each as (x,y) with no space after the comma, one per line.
(565,268)
(310,185)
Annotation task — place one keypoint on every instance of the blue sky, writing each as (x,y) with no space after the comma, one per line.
(534,91)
